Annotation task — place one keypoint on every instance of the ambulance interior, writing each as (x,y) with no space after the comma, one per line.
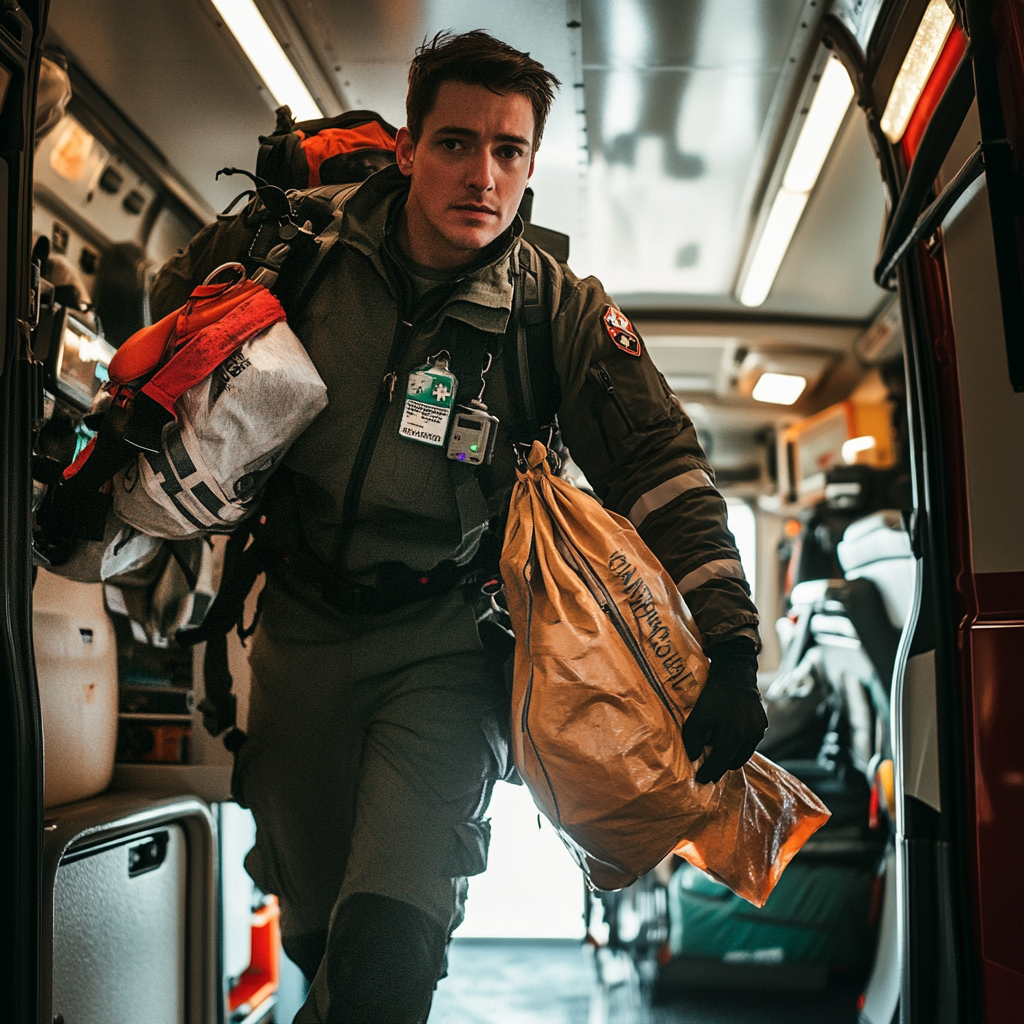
(676,141)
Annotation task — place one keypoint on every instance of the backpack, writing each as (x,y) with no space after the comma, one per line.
(329,151)
(160,455)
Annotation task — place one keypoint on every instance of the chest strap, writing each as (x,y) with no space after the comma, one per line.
(534,390)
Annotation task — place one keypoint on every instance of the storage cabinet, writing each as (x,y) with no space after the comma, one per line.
(129,912)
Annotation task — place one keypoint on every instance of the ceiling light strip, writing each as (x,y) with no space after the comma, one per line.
(828,108)
(267,56)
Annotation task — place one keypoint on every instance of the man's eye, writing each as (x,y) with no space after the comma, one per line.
(509,152)
(451,144)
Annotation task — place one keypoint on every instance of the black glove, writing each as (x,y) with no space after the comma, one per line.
(728,716)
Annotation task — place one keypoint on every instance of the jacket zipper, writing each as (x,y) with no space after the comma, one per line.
(404,329)
(368,442)
(604,381)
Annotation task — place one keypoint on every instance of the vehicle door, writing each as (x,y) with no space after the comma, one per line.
(21,30)
(942,88)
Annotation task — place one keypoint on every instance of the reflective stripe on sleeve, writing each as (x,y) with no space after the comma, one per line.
(664,493)
(720,568)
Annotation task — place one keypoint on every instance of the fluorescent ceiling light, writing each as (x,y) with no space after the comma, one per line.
(772,245)
(267,57)
(828,108)
(856,444)
(778,388)
(819,130)
(917,67)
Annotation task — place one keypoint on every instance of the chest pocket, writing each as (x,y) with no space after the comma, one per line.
(409,481)
(406,478)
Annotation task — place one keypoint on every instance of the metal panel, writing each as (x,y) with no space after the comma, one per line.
(177,76)
(920,731)
(119,941)
(677,99)
(75,832)
(829,263)
(993,414)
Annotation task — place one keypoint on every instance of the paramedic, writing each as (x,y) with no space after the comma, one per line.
(378,722)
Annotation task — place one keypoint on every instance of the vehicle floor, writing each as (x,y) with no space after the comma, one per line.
(519,981)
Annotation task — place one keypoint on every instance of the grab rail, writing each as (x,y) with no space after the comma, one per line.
(931,218)
(938,137)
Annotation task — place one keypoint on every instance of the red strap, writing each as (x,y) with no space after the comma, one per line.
(212,343)
(333,141)
(80,460)
(148,349)
(143,352)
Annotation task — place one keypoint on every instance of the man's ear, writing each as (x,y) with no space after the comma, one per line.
(404,150)
(532,160)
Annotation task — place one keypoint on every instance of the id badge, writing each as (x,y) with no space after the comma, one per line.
(429,400)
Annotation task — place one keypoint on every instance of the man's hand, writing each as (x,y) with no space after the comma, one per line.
(728,716)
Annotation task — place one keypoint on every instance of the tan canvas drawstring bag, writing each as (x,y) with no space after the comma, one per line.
(607,667)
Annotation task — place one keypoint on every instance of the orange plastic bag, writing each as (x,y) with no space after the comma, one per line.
(606,671)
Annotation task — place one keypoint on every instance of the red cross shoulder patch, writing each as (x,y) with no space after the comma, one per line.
(621,331)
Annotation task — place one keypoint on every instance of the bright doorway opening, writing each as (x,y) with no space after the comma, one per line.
(532,888)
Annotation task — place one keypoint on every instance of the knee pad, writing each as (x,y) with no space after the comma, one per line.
(384,958)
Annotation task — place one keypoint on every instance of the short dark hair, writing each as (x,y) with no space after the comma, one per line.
(476,58)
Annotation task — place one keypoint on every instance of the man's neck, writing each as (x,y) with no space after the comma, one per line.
(420,251)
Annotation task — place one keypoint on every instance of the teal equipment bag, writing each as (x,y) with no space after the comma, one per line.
(817,914)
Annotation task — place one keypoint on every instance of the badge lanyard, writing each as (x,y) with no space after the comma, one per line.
(429,400)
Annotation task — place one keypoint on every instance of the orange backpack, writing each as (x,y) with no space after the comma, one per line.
(329,151)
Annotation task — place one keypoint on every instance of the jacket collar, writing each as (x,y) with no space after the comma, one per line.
(482,299)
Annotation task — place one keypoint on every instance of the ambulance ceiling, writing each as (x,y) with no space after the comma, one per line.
(655,156)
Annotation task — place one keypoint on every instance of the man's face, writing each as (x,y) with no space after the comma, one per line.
(468,172)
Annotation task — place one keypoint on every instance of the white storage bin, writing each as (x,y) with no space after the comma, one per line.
(76,666)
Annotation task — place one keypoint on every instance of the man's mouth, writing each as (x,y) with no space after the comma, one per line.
(475,208)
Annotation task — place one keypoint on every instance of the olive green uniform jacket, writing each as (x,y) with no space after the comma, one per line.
(367,496)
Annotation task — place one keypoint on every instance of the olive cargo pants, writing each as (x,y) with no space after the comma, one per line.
(374,743)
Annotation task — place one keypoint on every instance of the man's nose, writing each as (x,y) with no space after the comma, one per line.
(480,176)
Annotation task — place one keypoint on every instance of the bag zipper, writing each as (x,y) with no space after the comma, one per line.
(610,608)
(607,604)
